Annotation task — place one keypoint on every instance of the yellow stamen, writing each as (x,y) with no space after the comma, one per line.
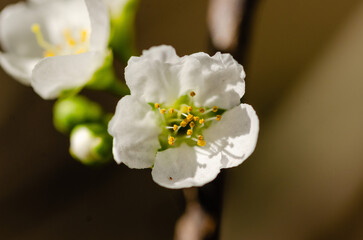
(201,121)
(189,117)
(196,119)
(190,109)
(81,50)
(171,110)
(192,94)
(83,35)
(40,39)
(68,36)
(218,117)
(171,140)
(192,124)
(201,110)
(189,132)
(175,127)
(163,111)
(200,137)
(49,53)
(201,143)
(157,105)
(183,123)
(215,109)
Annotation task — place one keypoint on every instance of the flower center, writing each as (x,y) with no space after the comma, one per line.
(183,122)
(70,46)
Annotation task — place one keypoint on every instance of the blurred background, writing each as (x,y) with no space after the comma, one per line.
(304,65)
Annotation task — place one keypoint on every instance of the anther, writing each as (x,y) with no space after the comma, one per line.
(175,127)
(190,109)
(49,53)
(196,119)
(201,110)
(171,110)
(192,94)
(192,124)
(189,132)
(201,121)
(200,137)
(171,140)
(69,38)
(183,123)
(157,105)
(218,117)
(83,36)
(201,143)
(163,111)
(190,117)
(215,109)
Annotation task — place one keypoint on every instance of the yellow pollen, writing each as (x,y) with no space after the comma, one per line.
(190,109)
(190,117)
(81,50)
(201,143)
(83,35)
(196,119)
(163,111)
(218,117)
(201,110)
(157,105)
(215,109)
(68,36)
(49,53)
(183,123)
(171,110)
(201,121)
(192,94)
(192,124)
(189,132)
(200,137)
(175,127)
(171,140)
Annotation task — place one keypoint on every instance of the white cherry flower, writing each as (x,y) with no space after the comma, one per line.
(55,45)
(183,118)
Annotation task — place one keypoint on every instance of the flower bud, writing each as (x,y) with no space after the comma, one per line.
(91,144)
(69,112)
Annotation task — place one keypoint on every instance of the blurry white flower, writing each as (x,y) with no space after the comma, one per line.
(183,118)
(54,45)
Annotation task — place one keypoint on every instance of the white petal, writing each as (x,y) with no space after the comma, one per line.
(159,75)
(185,166)
(19,68)
(115,6)
(100,24)
(135,131)
(53,75)
(153,80)
(162,53)
(217,80)
(235,135)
